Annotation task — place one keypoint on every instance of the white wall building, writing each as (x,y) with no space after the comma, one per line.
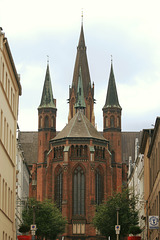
(136,183)
(22,185)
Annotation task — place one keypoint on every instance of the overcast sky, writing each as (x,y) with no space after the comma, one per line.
(129,30)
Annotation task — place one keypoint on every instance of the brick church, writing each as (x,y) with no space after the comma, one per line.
(77,167)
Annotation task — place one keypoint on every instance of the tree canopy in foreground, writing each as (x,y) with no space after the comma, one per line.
(106,215)
(48,218)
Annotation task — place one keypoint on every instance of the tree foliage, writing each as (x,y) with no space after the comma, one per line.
(48,218)
(106,216)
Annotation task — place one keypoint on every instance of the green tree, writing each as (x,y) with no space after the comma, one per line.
(106,215)
(48,218)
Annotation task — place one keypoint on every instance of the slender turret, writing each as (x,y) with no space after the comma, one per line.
(112,129)
(46,131)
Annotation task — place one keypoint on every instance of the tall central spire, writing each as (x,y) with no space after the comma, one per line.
(88,90)
(81,61)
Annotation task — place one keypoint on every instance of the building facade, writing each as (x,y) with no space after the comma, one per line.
(10,89)
(78,167)
(145,180)
(153,201)
(22,185)
(136,185)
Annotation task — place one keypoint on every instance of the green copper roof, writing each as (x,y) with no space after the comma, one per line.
(47,94)
(80,102)
(112,96)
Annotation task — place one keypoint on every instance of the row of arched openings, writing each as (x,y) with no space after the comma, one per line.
(79,188)
(45,123)
(79,152)
(99,153)
(112,122)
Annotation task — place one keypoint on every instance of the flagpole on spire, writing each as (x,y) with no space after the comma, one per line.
(82,17)
(47,60)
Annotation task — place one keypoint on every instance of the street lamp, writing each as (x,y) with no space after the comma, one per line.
(33,227)
(117,222)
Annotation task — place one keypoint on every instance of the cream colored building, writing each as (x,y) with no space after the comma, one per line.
(10,89)
(136,184)
(22,184)
(144,147)
(154,179)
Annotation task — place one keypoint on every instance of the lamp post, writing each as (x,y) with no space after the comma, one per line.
(34,217)
(117,222)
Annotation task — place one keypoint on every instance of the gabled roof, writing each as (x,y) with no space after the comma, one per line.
(112,96)
(29,145)
(79,127)
(81,61)
(47,94)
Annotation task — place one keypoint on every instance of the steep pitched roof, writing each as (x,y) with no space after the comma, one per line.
(81,61)
(128,145)
(112,96)
(29,144)
(79,127)
(47,94)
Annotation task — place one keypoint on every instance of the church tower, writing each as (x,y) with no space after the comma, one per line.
(46,131)
(81,62)
(112,129)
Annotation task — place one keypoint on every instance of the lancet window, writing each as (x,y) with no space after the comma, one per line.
(59,188)
(99,187)
(78,191)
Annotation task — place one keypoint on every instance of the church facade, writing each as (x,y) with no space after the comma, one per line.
(79,167)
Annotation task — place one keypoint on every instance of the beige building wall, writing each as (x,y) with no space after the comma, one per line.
(10,89)
(146,185)
(154,167)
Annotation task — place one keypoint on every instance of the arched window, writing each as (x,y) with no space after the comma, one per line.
(85,151)
(46,122)
(106,121)
(103,153)
(99,191)
(45,156)
(112,121)
(118,121)
(53,122)
(40,122)
(59,188)
(72,151)
(113,156)
(78,191)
